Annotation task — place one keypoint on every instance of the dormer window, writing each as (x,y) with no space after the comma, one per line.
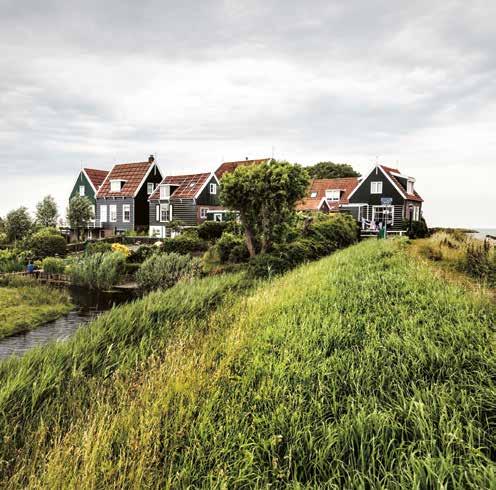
(164,191)
(313,194)
(409,187)
(116,185)
(333,194)
(376,187)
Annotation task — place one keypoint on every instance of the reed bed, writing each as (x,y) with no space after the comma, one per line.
(362,370)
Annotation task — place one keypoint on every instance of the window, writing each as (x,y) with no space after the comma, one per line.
(217,216)
(115,185)
(313,194)
(416,213)
(203,213)
(103,213)
(150,187)
(164,191)
(213,188)
(383,214)
(164,212)
(333,194)
(82,190)
(409,187)
(113,213)
(376,187)
(126,213)
(157,212)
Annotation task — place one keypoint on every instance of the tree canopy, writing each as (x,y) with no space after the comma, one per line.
(265,196)
(79,213)
(46,212)
(330,170)
(18,224)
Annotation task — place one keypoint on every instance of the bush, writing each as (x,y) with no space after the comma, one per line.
(52,265)
(337,231)
(239,253)
(120,248)
(227,243)
(142,253)
(98,271)
(47,242)
(267,265)
(480,261)
(184,244)
(211,230)
(419,228)
(12,260)
(162,271)
(97,247)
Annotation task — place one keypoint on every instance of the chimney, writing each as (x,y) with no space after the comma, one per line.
(151,159)
(246,158)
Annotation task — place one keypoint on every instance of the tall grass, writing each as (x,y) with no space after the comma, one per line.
(363,370)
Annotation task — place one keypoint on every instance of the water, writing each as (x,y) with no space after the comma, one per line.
(89,304)
(483,232)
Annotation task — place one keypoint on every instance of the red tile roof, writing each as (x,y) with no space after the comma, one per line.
(188,186)
(132,173)
(96,176)
(227,167)
(320,186)
(390,171)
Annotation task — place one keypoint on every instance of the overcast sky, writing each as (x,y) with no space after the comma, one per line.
(408,84)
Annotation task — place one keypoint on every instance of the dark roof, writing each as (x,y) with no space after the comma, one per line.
(390,172)
(320,186)
(227,167)
(96,176)
(188,186)
(132,173)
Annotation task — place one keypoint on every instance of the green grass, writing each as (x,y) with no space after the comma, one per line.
(362,370)
(28,305)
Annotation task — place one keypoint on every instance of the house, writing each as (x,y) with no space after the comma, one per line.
(184,198)
(327,195)
(385,195)
(228,167)
(87,185)
(122,200)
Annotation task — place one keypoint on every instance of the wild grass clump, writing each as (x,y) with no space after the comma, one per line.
(162,271)
(53,265)
(98,270)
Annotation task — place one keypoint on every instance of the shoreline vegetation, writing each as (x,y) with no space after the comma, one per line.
(26,305)
(362,369)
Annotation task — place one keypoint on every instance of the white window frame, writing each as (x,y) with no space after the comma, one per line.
(391,208)
(164,192)
(376,187)
(333,194)
(82,190)
(150,187)
(157,212)
(416,213)
(126,208)
(213,188)
(164,208)
(103,213)
(112,213)
(203,213)
(217,215)
(115,185)
(313,194)
(410,187)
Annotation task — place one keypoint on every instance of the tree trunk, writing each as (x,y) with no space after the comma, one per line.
(249,235)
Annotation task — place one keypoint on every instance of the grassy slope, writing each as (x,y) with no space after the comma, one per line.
(26,307)
(361,369)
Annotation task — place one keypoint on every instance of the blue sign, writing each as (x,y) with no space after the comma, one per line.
(386,201)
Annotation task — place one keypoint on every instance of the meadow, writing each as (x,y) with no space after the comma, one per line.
(25,305)
(365,369)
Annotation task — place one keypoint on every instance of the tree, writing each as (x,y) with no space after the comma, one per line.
(330,170)
(18,224)
(79,213)
(46,212)
(265,196)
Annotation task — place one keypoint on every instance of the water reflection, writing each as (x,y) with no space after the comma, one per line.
(88,305)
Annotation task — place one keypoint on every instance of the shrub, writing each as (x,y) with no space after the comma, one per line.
(162,271)
(480,261)
(211,230)
(52,265)
(47,242)
(419,228)
(267,265)
(142,253)
(337,231)
(97,247)
(118,247)
(12,260)
(184,244)
(227,243)
(98,271)
(239,253)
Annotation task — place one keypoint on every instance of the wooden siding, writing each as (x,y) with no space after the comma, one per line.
(88,190)
(205,198)
(118,225)
(184,210)
(363,195)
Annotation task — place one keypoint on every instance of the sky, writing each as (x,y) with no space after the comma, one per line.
(406,84)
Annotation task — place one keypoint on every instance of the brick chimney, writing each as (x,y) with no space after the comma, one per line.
(151,159)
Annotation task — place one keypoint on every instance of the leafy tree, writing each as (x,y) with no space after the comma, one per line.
(79,213)
(47,212)
(265,196)
(18,224)
(330,170)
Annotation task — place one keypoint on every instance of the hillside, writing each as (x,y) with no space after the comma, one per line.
(362,369)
